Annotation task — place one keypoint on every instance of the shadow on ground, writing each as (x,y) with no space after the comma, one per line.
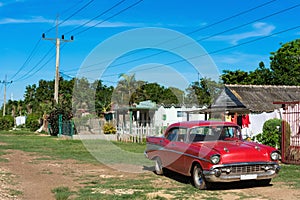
(216,186)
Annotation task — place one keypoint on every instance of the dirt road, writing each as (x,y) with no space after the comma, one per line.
(30,177)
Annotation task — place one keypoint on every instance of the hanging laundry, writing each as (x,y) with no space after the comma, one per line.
(228,118)
(245,121)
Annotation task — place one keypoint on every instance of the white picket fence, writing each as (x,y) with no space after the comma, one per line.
(137,134)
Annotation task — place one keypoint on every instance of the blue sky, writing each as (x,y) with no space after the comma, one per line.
(235,34)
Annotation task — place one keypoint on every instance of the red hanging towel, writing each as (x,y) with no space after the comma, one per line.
(245,121)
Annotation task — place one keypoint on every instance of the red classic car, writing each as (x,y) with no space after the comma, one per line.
(212,151)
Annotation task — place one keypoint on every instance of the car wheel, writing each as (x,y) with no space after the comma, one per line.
(198,178)
(158,166)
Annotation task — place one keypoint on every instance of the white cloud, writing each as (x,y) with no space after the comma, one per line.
(25,21)
(10,2)
(40,19)
(259,29)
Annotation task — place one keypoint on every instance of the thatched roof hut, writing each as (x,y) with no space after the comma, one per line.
(254,98)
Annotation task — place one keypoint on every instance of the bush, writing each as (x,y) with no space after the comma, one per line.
(54,118)
(271,134)
(6,122)
(32,122)
(109,128)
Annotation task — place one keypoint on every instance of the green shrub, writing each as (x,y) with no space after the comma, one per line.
(271,134)
(6,122)
(109,128)
(53,118)
(32,122)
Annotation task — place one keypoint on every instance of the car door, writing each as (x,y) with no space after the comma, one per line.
(176,150)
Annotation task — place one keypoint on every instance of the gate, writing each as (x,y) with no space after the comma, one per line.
(291,133)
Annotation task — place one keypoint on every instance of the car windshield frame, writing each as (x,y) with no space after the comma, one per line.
(214,133)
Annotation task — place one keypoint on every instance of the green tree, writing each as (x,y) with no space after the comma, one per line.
(261,76)
(103,97)
(124,90)
(203,92)
(235,77)
(285,64)
(83,96)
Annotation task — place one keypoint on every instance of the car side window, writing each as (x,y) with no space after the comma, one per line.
(177,134)
(172,135)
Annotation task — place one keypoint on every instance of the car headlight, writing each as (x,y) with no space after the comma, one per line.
(215,159)
(275,155)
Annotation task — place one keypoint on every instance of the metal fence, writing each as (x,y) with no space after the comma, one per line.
(291,133)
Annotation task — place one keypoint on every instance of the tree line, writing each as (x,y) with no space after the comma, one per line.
(98,98)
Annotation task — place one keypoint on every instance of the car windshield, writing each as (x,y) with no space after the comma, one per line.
(211,133)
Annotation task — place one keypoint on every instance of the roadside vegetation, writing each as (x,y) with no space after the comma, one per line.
(97,98)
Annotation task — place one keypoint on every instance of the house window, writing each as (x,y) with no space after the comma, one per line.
(181,114)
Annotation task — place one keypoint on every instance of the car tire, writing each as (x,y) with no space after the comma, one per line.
(198,178)
(158,166)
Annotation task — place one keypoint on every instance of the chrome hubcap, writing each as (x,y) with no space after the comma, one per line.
(198,177)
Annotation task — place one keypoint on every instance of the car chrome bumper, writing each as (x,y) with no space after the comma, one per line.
(227,173)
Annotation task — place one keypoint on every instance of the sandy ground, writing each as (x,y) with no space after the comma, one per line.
(35,178)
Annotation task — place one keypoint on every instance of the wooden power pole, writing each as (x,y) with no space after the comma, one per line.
(57,44)
(5,82)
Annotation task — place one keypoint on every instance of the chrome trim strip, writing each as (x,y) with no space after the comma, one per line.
(157,147)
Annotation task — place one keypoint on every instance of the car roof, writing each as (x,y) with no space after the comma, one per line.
(190,124)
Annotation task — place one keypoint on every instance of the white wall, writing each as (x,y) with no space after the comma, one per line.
(257,122)
(172,116)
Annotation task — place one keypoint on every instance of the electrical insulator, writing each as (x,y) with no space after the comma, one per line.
(43,36)
(63,37)
(72,37)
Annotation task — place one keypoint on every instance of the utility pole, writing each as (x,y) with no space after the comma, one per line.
(58,41)
(5,82)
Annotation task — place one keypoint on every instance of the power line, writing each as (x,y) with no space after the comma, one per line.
(231,17)
(118,13)
(216,51)
(104,12)
(27,75)
(222,32)
(199,29)
(40,68)
(38,42)
(28,59)
(211,36)
(76,12)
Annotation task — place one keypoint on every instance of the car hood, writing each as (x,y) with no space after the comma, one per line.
(240,151)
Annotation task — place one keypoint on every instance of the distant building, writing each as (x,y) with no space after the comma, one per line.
(257,102)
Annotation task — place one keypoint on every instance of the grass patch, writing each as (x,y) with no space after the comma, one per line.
(18,132)
(131,147)
(62,193)
(15,193)
(290,174)
(109,152)
(48,146)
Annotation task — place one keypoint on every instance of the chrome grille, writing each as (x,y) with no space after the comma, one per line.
(246,169)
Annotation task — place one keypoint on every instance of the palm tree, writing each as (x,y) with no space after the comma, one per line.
(125,89)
